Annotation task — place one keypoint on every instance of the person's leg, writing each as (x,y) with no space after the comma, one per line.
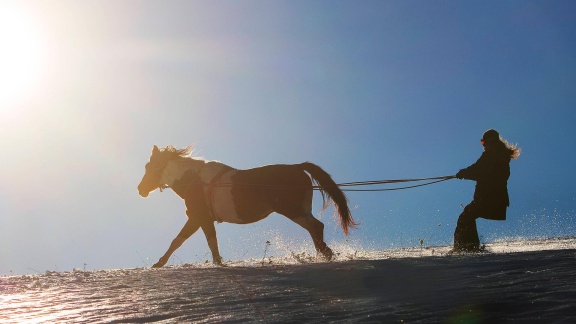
(466,233)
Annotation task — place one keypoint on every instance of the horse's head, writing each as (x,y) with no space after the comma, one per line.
(152,179)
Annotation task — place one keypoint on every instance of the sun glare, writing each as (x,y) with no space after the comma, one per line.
(20,56)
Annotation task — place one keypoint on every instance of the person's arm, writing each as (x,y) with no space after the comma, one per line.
(478,170)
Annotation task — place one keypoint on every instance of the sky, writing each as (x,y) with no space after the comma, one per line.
(367,90)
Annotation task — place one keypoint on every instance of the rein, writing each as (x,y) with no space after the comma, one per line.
(344,186)
(381,182)
(432,180)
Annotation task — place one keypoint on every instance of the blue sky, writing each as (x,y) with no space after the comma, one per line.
(367,90)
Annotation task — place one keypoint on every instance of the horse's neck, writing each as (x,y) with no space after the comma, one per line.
(211,170)
(176,169)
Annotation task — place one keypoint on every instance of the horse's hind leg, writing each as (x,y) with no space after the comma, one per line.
(316,230)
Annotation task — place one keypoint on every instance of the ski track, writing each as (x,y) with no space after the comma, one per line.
(518,281)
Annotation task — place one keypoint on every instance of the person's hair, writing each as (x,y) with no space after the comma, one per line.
(496,141)
(512,149)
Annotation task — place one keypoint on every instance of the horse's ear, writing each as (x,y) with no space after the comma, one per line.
(155,149)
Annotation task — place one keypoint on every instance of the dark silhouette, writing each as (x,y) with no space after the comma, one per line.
(213,191)
(491,173)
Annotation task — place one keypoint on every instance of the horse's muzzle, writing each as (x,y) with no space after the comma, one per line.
(143,193)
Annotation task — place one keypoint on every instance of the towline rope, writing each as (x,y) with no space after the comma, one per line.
(380,182)
(432,180)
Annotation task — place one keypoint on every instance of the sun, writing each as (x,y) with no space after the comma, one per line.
(20,55)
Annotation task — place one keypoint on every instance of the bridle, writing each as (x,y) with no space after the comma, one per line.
(157,170)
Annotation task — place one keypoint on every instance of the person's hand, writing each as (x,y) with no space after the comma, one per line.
(460,174)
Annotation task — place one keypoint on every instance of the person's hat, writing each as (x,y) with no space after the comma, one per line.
(490,134)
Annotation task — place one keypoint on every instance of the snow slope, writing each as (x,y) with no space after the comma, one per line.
(518,281)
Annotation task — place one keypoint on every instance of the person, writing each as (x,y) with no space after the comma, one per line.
(491,173)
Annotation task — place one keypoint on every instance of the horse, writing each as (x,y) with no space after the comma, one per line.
(215,192)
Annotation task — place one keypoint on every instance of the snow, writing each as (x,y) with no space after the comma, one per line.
(517,280)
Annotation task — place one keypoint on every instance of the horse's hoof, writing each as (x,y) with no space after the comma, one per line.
(217,261)
(327,253)
(159,264)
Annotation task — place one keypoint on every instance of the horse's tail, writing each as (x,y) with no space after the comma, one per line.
(328,186)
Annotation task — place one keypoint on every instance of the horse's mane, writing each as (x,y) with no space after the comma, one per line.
(174,153)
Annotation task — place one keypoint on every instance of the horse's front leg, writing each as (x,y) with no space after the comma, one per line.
(210,233)
(189,228)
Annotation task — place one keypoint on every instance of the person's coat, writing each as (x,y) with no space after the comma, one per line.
(491,173)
